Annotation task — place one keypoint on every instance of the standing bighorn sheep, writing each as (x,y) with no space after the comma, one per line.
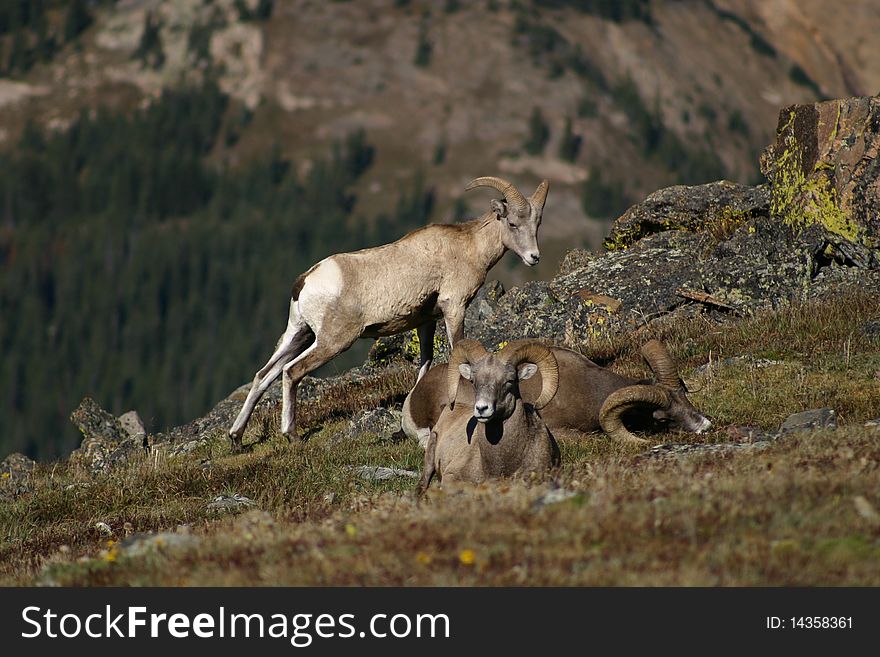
(497,434)
(433,271)
(590,397)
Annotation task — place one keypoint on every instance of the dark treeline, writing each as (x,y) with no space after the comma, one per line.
(133,271)
(32,31)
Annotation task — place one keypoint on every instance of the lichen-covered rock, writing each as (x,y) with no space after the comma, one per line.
(133,424)
(759,264)
(380,422)
(824,167)
(16,466)
(234,503)
(721,205)
(142,544)
(15,472)
(105,443)
(404,347)
(812,420)
(381,473)
(483,305)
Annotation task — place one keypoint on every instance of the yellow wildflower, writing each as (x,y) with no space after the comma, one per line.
(467,557)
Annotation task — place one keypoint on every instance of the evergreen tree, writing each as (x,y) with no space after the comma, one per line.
(149,50)
(570,145)
(539,133)
(76,20)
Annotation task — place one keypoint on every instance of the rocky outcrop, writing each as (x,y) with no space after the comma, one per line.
(760,264)
(719,206)
(824,168)
(106,442)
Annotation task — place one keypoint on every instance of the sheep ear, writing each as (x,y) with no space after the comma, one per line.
(465,371)
(527,371)
(499,207)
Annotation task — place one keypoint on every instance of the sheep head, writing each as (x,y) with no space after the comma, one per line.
(496,377)
(665,402)
(520,217)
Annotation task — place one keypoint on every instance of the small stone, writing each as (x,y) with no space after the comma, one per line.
(866,510)
(104,528)
(140,544)
(817,418)
(746,434)
(554,496)
(230,503)
(16,466)
(187,447)
(15,472)
(381,473)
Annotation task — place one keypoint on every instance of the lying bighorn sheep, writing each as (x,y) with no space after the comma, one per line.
(433,271)
(497,434)
(590,397)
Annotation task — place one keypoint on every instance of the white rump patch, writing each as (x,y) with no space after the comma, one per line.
(322,287)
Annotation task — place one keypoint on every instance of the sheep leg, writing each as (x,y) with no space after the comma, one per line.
(428,469)
(289,346)
(453,317)
(426,347)
(322,351)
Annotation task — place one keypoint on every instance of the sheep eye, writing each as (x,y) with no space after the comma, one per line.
(513,226)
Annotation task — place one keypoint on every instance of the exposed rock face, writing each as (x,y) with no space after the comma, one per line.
(824,167)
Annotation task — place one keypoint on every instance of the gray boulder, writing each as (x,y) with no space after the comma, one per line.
(812,420)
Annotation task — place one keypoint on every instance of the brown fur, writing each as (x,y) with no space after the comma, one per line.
(583,387)
(431,272)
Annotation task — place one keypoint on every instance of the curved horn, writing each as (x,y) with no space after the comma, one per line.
(661,363)
(465,351)
(540,196)
(512,195)
(547,366)
(622,400)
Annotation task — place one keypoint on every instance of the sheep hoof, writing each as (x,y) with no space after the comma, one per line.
(239,448)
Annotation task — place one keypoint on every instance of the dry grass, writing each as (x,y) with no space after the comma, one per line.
(802,511)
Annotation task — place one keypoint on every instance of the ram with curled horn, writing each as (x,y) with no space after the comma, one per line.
(432,272)
(589,398)
(499,432)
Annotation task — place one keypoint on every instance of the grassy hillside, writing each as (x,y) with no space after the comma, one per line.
(801,509)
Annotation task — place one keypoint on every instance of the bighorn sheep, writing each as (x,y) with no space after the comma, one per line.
(590,397)
(497,434)
(433,271)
